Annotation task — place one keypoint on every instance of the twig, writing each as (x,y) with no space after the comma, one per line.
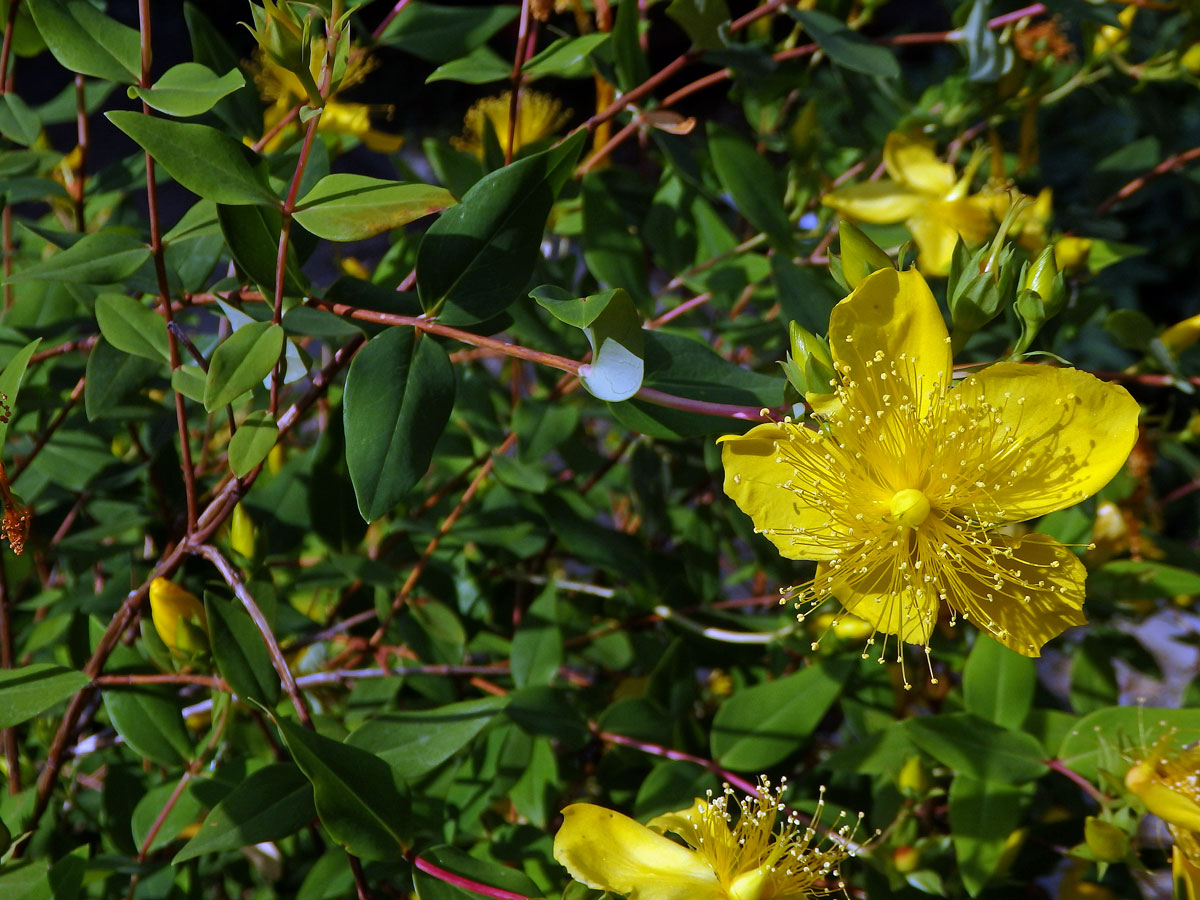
(1172,162)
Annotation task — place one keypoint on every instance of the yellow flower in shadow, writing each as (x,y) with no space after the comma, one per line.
(1168,784)
(934,203)
(538,116)
(283,91)
(903,491)
(178,617)
(731,851)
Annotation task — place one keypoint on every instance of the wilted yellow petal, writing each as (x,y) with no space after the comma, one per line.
(1050,437)
(611,852)
(910,160)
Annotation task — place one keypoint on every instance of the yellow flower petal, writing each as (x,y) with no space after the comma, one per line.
(1173,807)
(910,160)
(169,603)
(891,320)
(1025,599)
(937,227)
(1053,437)
(880,598)
(611,852)
(755,474)
(876,202)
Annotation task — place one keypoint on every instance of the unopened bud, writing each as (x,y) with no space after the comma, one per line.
(284,39)
(811,355)
(914,780)
(242,532)
(1107,842)
(178,617)
(860,255)
(906,859)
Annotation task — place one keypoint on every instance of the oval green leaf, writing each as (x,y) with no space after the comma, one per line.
(252,442)
(30,690)
(149,721)
(352,207)
(241,362)
(132,327)
(105,257)
(189,89)
(396,404)
(239,652)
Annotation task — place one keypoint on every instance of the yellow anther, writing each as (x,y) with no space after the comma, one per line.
(910,507)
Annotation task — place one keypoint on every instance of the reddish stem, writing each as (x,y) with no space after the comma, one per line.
(477,887)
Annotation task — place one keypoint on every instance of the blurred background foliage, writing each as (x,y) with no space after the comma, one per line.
(299,410)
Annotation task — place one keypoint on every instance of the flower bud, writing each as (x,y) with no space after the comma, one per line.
(906,859)
(860,255)
(809,365)
(914,780)
(284,39)
(178,617)
(1107,842)
(242,532)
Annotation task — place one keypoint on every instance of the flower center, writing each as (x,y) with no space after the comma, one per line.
(910,507)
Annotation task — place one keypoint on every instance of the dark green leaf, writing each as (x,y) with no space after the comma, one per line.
(270,804)
(998,683)
(701,19)
(439,33)
(354,793)
(628,56)
(18,122)
(396,404)
(845,47)
(417,742)
(537,648)
(10,382)
(243,360)
(753,184)
(975,747)
(614,253)
(111,376)
(1107,739)
(239,652)
(760,726)
(568,57)
(482,65)
(149,721)
(982,816)
(29,690)
(252,234)
(478,256)
(204,160)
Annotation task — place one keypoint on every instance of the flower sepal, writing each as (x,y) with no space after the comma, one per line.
(860,256)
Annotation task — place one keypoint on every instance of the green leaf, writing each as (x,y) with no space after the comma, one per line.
(628,56)
(239,652)
(252,235)
(760,726)
(753,183)
(398,399)
(18,122)
(149,721)
(482,65)
(252,442)
(204,160)
(439,33)
(537,647)
(1107,739)
(982,816)
(568,57)
(417,742)
(478,256)
(270,804)
(614,253)
(29,690)
(189,89)
(844,47)
(242,109)
(701,19)
(355,796)
(353,207)
(189,381)
(243,360)
(998,683)
(111,376)
(975,747)
(104,257)
(10,382)
(130,326)
(185,810)
(85,40)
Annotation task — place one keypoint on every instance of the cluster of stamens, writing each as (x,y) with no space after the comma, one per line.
(913,479)
(737,837)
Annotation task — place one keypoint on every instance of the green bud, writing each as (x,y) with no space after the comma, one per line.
(914,780)
(1107,842)
(809,365)
(860,255)
(1040,276)
(285,39)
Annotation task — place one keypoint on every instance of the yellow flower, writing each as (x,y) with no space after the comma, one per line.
(538,116)
(925,194)
(1169,786)
(732,851)
(903,491)
(282,90)
(178,617)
